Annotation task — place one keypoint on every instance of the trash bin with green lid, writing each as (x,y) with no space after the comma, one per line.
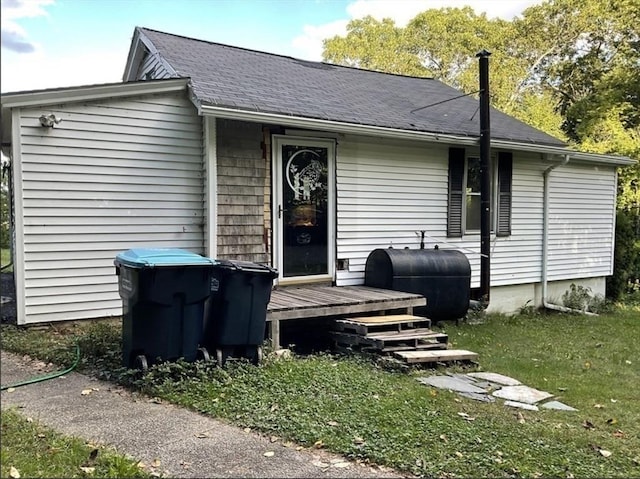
(163,293)
(235,321)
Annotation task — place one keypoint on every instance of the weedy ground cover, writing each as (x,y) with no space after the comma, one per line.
(362,407)
(32,450)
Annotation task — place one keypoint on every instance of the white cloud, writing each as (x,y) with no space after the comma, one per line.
(41,70)
(13,9)
(401,11)
(14,37)
(309,44)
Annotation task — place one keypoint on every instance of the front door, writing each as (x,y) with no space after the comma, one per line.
(303,208)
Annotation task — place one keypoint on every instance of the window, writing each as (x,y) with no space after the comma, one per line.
(464,194)
(472,195)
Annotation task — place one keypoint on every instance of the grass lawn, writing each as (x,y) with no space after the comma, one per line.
(5,259)
(32,450)
(363,409)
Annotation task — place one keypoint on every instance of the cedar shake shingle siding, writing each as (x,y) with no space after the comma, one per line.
(241,185)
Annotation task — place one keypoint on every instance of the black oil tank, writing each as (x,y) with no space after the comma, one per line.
(442,276)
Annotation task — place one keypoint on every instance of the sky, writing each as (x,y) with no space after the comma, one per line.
(60,43)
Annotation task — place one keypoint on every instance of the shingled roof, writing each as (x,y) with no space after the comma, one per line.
(237,78)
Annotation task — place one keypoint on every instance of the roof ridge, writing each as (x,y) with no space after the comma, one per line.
(235,47)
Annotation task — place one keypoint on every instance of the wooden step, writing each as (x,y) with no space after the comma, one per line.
(408,334)
(406,340)
(370,324)
(436,356)
(392,341)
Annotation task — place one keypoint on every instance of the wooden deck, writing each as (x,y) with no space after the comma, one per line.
(299,302)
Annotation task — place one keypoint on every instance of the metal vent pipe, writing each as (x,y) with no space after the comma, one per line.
(485,179)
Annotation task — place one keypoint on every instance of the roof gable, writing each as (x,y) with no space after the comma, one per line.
(247,80)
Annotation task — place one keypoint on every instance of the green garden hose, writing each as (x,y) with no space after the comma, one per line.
(46,377)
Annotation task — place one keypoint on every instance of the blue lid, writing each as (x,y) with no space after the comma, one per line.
(152,257)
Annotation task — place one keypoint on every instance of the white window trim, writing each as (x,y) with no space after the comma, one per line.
(494,194)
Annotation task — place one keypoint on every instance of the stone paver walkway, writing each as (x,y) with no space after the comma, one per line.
(486,387)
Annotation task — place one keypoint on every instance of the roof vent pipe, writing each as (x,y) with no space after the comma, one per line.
(485,179)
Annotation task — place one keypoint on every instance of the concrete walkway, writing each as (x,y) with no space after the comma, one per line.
(175,441)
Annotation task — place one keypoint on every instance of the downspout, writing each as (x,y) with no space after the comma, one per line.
(485,180)
(545,242)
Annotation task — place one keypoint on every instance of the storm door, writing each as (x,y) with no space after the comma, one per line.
(303,208)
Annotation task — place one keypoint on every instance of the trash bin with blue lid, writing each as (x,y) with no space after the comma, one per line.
(163,293)
(235,321)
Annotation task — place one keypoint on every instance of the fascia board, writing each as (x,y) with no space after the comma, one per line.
(136,52)
(91,92)
(139,44)
(573,154)
(329,125)
(342,127)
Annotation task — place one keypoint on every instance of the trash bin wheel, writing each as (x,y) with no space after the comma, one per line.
(141,362)
(253,354)
(258,357)
(203,354)
(220,357)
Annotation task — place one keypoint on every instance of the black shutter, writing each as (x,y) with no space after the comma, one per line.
(455,205)
(505,168)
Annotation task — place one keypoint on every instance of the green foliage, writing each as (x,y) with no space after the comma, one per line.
(577,297)
(37,451)
(353,406)
(374,45)
(581,298)
(533,108)
(568,67)
(529,309)
(5,233)
(5,260)
(626,261)
(442,44)
(445,41)
(100,345)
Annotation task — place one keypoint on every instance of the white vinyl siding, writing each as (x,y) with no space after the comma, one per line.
(581,221)
(113,175)
(152,68)
(389,191)
(517,259)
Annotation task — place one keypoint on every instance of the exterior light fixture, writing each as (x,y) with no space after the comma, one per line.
(49,121)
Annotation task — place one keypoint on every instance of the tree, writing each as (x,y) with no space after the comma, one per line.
(442,44)
(568,67)
(596,81)
(5,233)
(374,45)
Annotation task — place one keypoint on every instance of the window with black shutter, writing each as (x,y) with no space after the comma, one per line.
(463,214)
(456,192)
(503,214)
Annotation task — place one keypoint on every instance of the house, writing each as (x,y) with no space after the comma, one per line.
(308,166)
